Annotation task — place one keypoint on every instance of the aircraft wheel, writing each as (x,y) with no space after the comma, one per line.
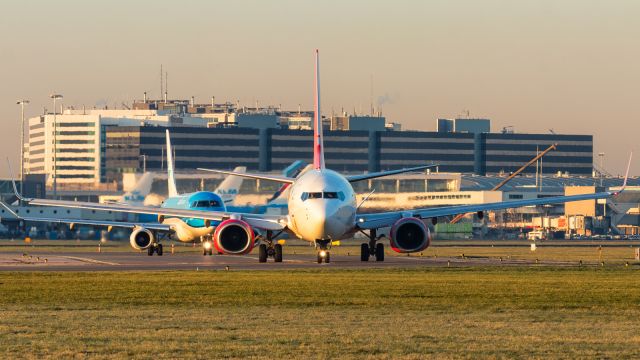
(210,252)
(379,252)
(150,250)
(205,252)
(319,259)
(364,252)
(159,250)
(277,257)
(327,258)
(262,253)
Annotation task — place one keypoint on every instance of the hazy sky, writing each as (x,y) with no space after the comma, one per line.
(570,66)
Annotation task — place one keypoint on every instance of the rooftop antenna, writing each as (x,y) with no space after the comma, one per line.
(166,86)
(372,110)
(161,81)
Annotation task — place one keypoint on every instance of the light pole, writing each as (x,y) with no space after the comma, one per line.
(22,103)
(55,146)
(144,163)
(601,156)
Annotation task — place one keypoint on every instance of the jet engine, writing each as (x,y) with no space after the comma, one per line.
(409,235)
(141,238)
(234,237)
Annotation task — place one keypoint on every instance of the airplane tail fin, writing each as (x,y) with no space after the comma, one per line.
(230,186)
(141,189)
(171,179)
(292,171)
(318,147)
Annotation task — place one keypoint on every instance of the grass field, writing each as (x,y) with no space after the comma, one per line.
(435,312)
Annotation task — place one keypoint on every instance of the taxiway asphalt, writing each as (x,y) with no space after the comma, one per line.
(134,261)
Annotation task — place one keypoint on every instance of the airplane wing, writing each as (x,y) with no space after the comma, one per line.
(260,221)
(290,180)
(122,224)
(378,220)
(354,178)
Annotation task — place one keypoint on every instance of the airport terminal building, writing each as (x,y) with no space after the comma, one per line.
(126,148)
(96,146)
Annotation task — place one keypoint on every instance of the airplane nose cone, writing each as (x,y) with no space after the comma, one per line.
(315,225)
(323,222)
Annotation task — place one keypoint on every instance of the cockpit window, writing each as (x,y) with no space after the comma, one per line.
(330,195)
(320,195)
(315,195)
(205,204)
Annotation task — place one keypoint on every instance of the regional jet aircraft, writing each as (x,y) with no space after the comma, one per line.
(321,209)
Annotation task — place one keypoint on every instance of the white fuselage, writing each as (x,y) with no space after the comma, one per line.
(322,206)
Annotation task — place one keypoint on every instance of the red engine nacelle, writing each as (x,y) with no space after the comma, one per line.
(234,237)
(409,235)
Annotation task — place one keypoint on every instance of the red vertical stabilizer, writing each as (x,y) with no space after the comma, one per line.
(318,150)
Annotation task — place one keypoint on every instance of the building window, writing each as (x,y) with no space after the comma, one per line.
(78,124)
(75,176)
(70,167)
(74,142)
(71,150)
(75,133)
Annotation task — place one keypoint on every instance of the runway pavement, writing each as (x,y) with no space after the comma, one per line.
(134,261)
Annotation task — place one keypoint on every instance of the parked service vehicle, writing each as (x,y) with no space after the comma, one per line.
(536,235)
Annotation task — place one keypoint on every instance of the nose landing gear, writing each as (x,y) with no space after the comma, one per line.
(323,251)
(207,246)
(373,248)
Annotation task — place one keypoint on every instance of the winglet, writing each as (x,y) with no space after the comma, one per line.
(626,176)
(365,199)
(13,182)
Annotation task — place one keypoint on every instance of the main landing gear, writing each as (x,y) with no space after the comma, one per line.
(373,248)
(154,248)
(270,249)
(323,251)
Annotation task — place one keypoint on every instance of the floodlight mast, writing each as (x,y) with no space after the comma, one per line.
(55,96)
(22,103)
